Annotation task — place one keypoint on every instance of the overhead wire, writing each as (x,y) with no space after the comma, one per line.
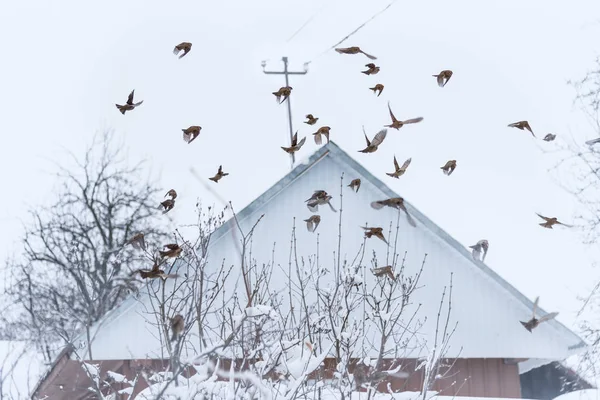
(306,23)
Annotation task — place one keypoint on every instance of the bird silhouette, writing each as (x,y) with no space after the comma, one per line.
(551,222)
(130,105)
(372,69)
(295,144)
(324,130)
(449,167)
(399,170)
(377,88)
(373,145)
(354,50)
(191,133)
(394,202)
(355,184)
(396,124)
(220,174)
(535,322)
(313,222)
(183,46)
(443,77)
(522,125)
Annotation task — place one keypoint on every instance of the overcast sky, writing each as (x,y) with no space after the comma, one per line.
(66,64)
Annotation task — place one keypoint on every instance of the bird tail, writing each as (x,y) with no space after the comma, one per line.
(121,109)
(365,72)
(525,325)
(225,173)
(339,51)
(392,175)
(213,179)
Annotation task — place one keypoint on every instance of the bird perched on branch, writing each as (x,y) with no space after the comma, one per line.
(535,322)
(324,130)
(173,251)
(137,241)
(284,92)
(479,247)
(443,77)
(130,105)
(522,125)
(373,145)
(376,231)
(167,205)
(319,198)
(219,175)
(383,271)
(311,120)
(549,137)
(551,222)
(313,222)
(354,50)
(449,167)
(396,124)
(399,170)
(191,133)
(372,69)
(394,202)
(295,144)
(355,184)
(377,88)
(177,326)
(183,46)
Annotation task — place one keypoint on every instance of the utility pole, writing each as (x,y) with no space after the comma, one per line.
(287,83)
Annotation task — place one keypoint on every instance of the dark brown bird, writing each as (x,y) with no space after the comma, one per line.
(295,144)
(167,205)
(479,247)
(399,170)
(284,92)
(534,322)
(173,251)
(449,167)
(396,124)
(172,194)
(394,202)
(319,198)
(355,184)
(522,125)
(137,241)
(372,69)
(551,221)
(383,271)
(373,145)
(443,77)
(183,46)
(377,88)
(549,137)
(354,50)
(313,222)
(324,130)
(130,105)
(311,120)
(377,232)
(177,326)
(219,175)
(154,273)
(191,133)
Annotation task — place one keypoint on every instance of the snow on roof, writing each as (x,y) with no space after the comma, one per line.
(488,309)
(20,369)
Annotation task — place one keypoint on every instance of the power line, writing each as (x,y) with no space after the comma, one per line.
(305,23)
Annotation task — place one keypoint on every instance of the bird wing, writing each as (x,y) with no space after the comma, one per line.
(560,223)
(342,50)
(309,225)
(440,80)
(130,98)
(405,165)
(535,305)
(366,138)
(547,317)
(176,50)
(301,143)
(544,218)
(294,139)
(376,205)
(413,120)
(513,125)
(220,169)
(391,113)
(369,56)
(378,139)
(447,79)
(396,166)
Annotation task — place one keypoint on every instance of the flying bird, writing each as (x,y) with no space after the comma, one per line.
(183,46)
(534,322)
(354,50)
(191,133)
(319,198)
(355,184)
(592,142)
(549,137)
(167,205)
(295,144)
(522,125)
(479,247)
(383,271)
(284,92)
(443,77)
(551,221)
(154,273)
(311,120)
(172,194)
(399,124)
(313,222)
(399,170)
(449,167)
(377,232)
(372,69)
(219,175)
(394,202)
(130,105)
(373,145)
(137,241)
(173,250)
(324,130)
(177,326)
(377,88)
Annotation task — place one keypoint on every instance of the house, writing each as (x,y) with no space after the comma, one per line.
(489,347)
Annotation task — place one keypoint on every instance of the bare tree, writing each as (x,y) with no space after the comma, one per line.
(73,266)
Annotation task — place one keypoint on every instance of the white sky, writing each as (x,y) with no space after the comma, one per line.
(67,63)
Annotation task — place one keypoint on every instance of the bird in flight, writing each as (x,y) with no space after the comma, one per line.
(220,174)
(376,231)
(319,198)
(324,130)
(551,221)
(443,77)
(183,46)
(313,222)
(396,124)
(354,50)
(377,88)
(373,145)
(130,105)
(535,322)
(311,120)
(394,202)
(399,170)
(522,125)
(295,144)
(355,184)
(549,137)
(480,247)
(284,92)
(191,133)
(449,167)
(372,69)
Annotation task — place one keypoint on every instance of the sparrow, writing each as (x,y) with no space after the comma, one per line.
(312,223)
(354,50)
(219,175)
(549,137)
(355,184)
(373,145)
(377,88)
(377,232)
(449,167)
(382,271)
(443,77)
(167,205)
(295,144)
(137,241)
(394,202)
(478,247)
(522,125)
(284,92)
(172,194)
(372,69)
(319,198)
(153,273)
(185,46)
(592,142)
(399,170)
(311,119)
(399,124)
(551,221)
(191,133)
(177,326)
(173,251)
(324,130)
(534,322)
(130,105)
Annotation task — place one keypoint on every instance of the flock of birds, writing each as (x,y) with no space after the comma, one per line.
(321,197)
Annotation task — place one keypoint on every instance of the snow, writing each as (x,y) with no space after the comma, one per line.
(587,394)
(20,369)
